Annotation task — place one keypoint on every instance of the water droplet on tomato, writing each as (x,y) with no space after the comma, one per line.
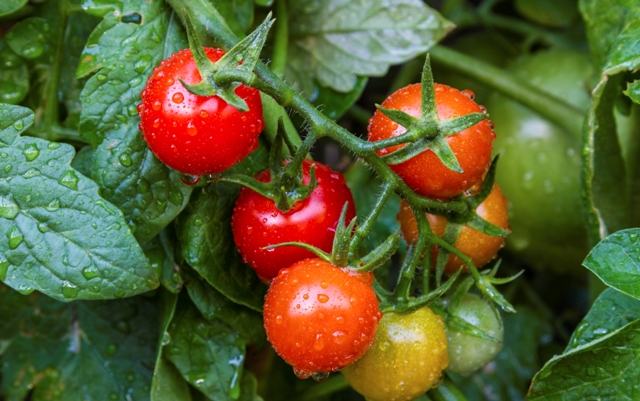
(204,114)
(468,93)
(338,337)
(156,105)
(339,319)
(305,296)
(191,128)
(177,97)
(318,345)
(170,81)
(279,319)
(189,179)
(320,376)
(323,298)
(301,374)
(324,284)
(156,123)
(140,108)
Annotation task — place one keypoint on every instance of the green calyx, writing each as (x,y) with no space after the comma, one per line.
(235,67)
(427,131)
(286,186)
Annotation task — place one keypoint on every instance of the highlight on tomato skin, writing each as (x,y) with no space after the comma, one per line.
(319,318)
(194,134)
(425,173)
(480,247)
(257,222)
(406,359)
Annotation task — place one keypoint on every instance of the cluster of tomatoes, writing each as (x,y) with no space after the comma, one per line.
(321,318)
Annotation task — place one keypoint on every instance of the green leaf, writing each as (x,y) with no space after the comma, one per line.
(14,76)
(81,351)
(616,261)
(238,14)
(334,104)
(60,237)
(161,253)
(30,38)
(83,160)
(208,354)
(606,368)
(10,6)
(335,41)
(213,305)
(611,311)
(204,232)
(633,91)
(167,383)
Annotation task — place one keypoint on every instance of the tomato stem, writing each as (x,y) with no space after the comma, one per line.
(281,38)
(363,229)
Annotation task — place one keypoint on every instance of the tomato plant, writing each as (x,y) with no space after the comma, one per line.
(320,318)
(258,223)
(196,134)
(425,173)
(467,352)
(95,205)
(406,359)
(543,178)
(480,247)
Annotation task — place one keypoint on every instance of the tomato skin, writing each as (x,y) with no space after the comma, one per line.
(196,134)
(406,359)
(480,247)
(468,353)
(320,318)
(541,164)
(257,222)
(425,173)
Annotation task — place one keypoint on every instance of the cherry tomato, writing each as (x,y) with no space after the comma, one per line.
(406,359)
(196,134)
(468,353)
(480,247)
(425,173)
(320,318)
(257,222)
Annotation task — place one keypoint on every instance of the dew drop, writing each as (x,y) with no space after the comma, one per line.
(90,272)
(69,180)
(8,208)
(156,105)
(191,128)
(301,374)
(15,237)
(318,345)
(69,290)
(323,298)
(468,93)
(18,125)
(203,114)
(31,152)
(125,159)
(279,319)
(156,123)
(320,376)
(4,267)
(324,284)
(177,97)
(189,179)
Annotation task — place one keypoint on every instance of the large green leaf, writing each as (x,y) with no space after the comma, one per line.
(10,6)
(604,369)
(208,354)
(59,236)
(616,260)
(89,351)
(612,29)
(138,35)
(334,41)
(204,232)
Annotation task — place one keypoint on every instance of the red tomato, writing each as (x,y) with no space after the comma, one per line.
(320,318)
(480,247)
(425,173)
(196,134)
(257,222)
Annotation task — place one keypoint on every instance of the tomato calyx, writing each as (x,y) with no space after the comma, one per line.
(233,69)
(427,132)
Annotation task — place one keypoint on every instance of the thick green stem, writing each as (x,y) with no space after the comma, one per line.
(555,109)
(281,38)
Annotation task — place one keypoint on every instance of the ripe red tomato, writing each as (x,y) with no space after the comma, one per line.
(480,247)
(425,173)
(406,359)
(320,318)
(196,134)
(257,222)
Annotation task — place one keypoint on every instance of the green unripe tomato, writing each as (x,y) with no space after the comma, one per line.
(468,353)
(540,162)
(406,359)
